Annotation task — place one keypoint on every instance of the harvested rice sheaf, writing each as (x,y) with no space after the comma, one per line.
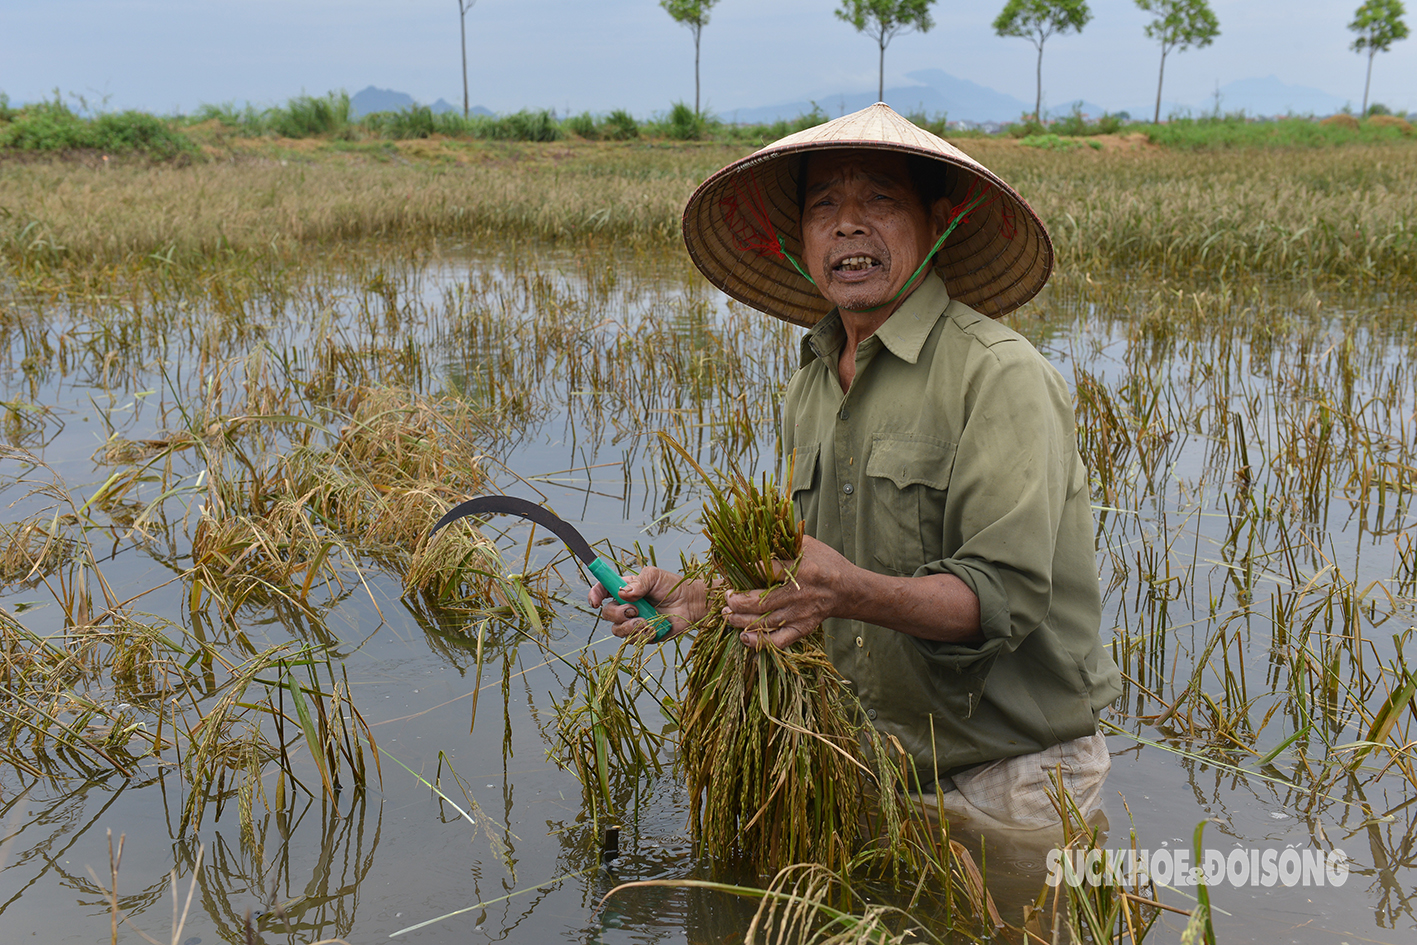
(778,767)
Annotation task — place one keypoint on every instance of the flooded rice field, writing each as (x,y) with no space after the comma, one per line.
(246,699)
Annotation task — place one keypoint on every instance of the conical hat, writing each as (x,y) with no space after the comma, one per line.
(739,222)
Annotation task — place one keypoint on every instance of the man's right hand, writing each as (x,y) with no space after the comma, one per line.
(683,602)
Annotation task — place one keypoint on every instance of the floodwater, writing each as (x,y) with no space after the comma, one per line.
(1278,562)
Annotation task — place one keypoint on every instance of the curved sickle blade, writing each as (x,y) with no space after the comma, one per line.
(603,569)
(511,505)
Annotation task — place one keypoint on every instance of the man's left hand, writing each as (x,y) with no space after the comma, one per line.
(790,612)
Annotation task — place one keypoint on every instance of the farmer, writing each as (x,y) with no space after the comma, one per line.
(950,553)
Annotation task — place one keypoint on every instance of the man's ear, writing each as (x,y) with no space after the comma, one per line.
(939,214)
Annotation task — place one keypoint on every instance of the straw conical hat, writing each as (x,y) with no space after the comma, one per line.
(997,258)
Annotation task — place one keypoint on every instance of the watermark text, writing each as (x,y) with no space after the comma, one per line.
(1239,867)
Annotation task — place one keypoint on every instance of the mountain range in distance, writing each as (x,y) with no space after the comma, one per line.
(370,99)
(936,93)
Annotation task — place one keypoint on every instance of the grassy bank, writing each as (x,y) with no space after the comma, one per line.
(1329,215)
(51,125)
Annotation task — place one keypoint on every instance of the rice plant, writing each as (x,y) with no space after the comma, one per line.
(601,736)
(776,759)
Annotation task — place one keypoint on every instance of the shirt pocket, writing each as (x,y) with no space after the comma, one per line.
(908,476)
(805,483)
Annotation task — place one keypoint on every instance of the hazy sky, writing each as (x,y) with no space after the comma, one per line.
(172,55)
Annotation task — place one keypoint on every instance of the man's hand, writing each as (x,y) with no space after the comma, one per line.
(790,612)
(683,602)
(932,607)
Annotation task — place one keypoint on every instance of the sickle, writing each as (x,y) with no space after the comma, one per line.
(598,565)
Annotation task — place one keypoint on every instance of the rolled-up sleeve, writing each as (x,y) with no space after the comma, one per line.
(1014,471)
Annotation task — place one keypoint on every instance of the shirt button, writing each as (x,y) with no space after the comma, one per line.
(848,488)
(871,714)
(860,642)
(845,414)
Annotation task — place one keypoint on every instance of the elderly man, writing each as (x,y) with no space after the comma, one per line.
(950,555)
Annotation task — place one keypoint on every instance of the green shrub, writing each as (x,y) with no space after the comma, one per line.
(455,126)
(1026,127)
(1110,124)
(247,120)
(1076,124)
(620,125)
(522,126)
(784,127)
(1198,134)
(138,131)
(685,124)
(1052,142)
(307,117)
(582,125)
(6,112)
(53,126)
(415,122)
(44,126)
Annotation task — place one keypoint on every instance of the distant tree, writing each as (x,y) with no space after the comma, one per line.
(1035,21)
(1378,24)
(883,20)
(1179,25)
(463,7)
(695,15)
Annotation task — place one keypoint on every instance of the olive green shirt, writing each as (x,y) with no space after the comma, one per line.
(955,452)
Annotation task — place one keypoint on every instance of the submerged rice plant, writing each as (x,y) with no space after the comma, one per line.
(116,690)
(600,734)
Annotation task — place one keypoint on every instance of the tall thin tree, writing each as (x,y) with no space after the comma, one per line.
(1378,24)
(695,15)
(883,20)
(1035,21)
(463,7)
(1179,25)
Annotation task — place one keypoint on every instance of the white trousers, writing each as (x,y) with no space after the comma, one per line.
(1014,793)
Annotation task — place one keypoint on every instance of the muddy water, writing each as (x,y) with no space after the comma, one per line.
(511,854)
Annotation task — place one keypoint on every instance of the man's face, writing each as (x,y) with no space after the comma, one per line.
(864,230)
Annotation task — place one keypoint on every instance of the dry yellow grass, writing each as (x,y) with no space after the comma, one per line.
(1338,214)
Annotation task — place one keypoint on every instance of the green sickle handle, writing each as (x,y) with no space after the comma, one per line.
(611,580)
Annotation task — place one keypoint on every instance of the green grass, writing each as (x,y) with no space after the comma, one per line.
(303,116)
(53,126)
(1053,142)
(1201,134)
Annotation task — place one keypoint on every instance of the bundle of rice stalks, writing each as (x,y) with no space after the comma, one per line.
(776,760)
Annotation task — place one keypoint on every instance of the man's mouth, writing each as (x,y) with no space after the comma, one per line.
(856,263)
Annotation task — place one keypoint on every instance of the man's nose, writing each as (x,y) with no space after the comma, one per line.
(851,218)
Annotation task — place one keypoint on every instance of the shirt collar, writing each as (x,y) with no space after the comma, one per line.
(903,334)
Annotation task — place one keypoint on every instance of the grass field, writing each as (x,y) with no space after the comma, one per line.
(1331,216)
